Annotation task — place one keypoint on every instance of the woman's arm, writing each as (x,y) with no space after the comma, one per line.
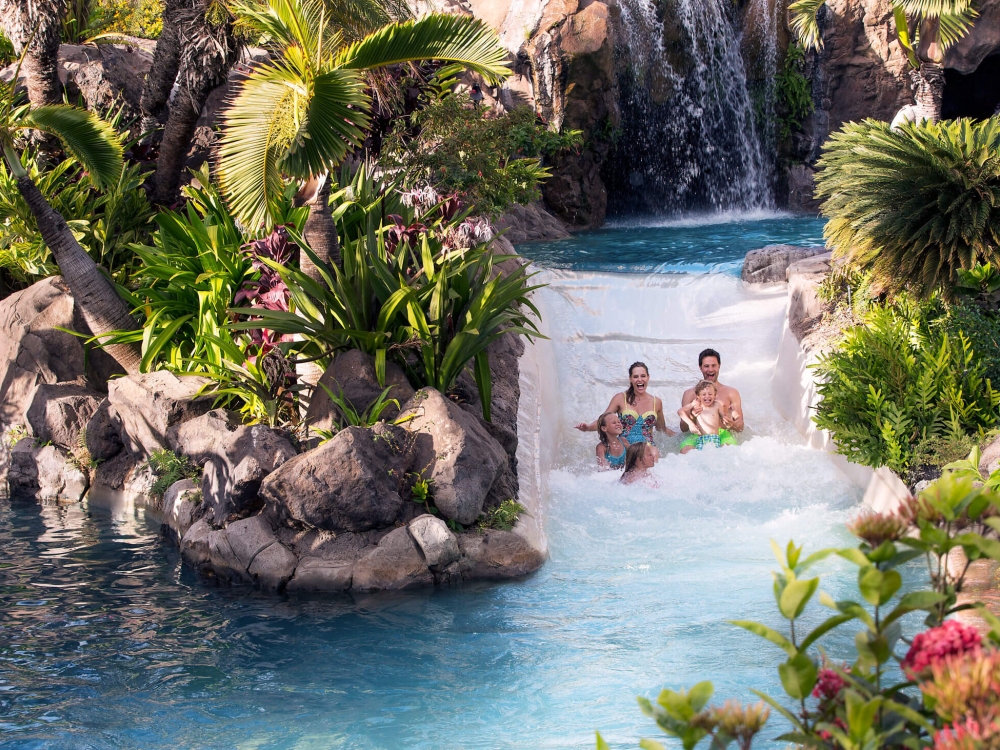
(661,422)
(615,406)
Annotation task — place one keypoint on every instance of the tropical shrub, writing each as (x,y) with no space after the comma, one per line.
(140,18)
(169,468)
(421,289)
(488,160)
(934,688)
(794,93)
(105,221)
(914,205)
(895,381)
(981,328)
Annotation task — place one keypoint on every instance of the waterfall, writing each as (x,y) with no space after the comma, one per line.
(695,133)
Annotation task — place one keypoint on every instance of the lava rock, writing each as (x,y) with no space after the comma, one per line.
(104,433)
(770,264)
(236,458)
(181,504)
(194,544)
(455,452)
(44,473)
(498,555)
(59,411)
(350,483)
(435,540)
(396,563)
(353,375)
(149,405)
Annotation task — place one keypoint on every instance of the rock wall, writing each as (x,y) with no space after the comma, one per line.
(862,72)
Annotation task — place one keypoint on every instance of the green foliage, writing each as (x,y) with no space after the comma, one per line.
(81,21)
(408,287)
(490,161)
(502,517)
(913,205)
(7,55)
(981,284)
(349,417)
(981,328)
(104,221)
(896,381)
(863,705)
(794,93)
(140,18)
(169,468)
(13,435)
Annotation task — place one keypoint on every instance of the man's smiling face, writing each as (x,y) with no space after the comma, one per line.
(710,368)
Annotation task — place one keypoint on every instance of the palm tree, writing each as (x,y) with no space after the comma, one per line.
(96,146)
(162,73)
(34,28)
(301,114)
(916,204)
(925,29)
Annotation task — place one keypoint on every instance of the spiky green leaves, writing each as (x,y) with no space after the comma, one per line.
(913,205)
(87,138)
(804,24)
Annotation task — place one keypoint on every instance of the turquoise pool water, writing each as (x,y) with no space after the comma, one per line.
(107,641)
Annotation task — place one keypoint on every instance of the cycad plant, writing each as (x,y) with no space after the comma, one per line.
(915,204)
(925,29)
(94,144)
(300,115)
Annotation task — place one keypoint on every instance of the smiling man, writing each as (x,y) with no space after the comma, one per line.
(709,363)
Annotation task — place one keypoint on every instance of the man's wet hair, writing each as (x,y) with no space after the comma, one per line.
(709,353)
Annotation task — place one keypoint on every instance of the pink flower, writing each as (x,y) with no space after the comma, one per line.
(934,645)
(828,686)
(964,735)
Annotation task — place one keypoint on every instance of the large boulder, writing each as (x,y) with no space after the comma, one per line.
(455,452)
(805,306)
(149,405)
(351,483)
(104,432)
(326,561)
(235,457)
(396,563)
(261,557)
(531,223)
(60,411)
(770,263)
(352,374)
(435,540)
(181,503)
(498,555)
(44,473)
(35,352)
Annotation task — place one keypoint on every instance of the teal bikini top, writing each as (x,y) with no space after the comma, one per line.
(613,461)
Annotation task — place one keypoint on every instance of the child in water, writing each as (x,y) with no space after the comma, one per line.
(611,449)
(705,415)
(639,459)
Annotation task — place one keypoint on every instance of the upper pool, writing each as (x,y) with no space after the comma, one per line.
(697,244)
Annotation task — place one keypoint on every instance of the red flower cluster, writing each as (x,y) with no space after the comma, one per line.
(950,639)
(828,685)
(966,735)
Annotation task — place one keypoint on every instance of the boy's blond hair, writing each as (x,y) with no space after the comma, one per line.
(703,385)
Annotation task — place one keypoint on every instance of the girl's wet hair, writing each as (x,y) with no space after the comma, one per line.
(703,385)
(601,432)
(633,453)
(630,393)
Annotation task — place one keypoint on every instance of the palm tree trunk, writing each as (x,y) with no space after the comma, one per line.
(928,91)
(320,232)
(39,23)
(207,52)
(162,73)
(102,309)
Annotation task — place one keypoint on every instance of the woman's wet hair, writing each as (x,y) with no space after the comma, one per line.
(630,393)
(601,432)
(633,453)
(704,384)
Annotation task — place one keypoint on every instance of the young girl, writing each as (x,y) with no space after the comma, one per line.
(705,415)
(611,449)
(639,459)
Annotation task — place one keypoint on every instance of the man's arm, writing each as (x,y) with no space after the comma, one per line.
(736,408)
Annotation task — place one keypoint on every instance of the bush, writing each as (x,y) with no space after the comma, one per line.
(896,381)
(169,468)
(794,93)
(936,688)
(141,18)
(490,161)
(982,329)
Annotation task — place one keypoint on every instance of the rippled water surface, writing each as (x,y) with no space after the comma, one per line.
(107,641)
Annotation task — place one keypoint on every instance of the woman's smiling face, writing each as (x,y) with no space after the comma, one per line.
(638,378)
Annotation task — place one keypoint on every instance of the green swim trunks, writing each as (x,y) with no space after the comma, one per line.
(725,438)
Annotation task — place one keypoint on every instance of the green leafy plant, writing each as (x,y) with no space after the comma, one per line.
(947,691)
(981,328)
(13,435)
(793,92)
(7,54)
(502,517)
(139,18)
(169,468)
(914,205)
(369,417)
(896,381)
(490,161)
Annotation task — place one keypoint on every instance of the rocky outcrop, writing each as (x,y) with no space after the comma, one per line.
(235,458)
(59,412)
(181,507)
(770,263)
(531,223)
(44,473)
(149,405)
(352,377)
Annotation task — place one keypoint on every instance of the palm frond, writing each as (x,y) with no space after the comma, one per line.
(258,129)
(356,19)
(934,8)
(457,39)
(89,139)
(335,122)
(913,205)
(804,23)
(954,26)
(287,23)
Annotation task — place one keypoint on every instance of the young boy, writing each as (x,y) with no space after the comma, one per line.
(705,415)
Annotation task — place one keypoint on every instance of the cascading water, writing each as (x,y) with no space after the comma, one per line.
(695,134)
